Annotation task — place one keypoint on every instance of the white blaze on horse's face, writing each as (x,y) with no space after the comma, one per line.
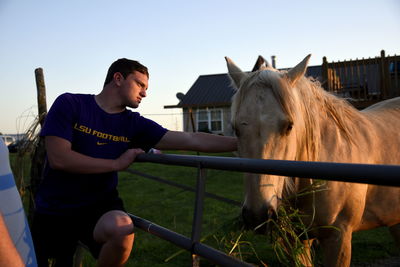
(264,130)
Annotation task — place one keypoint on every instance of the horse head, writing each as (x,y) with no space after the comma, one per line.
(267,124)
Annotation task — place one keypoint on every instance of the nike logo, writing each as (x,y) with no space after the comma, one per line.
(100,144)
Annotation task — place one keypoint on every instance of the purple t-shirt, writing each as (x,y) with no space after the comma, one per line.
(95,133)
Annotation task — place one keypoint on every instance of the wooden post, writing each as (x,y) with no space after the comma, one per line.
(41,95)
(364,80)
(325,80)
(38,156)
(383,75)
(361,88)
(386,80)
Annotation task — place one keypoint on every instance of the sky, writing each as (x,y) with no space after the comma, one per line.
(178,40)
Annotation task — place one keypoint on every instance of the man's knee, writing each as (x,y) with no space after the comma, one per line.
(113,224)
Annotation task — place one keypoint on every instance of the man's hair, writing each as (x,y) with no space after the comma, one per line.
(125,67)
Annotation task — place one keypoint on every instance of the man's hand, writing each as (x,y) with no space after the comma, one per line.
(126,159)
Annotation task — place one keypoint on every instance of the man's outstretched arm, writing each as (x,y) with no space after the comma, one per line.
(202,142)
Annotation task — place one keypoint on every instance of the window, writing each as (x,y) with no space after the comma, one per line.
(202,121)
(209,120)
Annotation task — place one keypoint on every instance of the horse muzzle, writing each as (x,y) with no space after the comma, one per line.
(258,221)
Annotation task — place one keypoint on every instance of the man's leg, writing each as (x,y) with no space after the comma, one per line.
(115,231)
(54,238)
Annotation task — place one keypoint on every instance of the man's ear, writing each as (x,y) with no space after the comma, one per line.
(118,78)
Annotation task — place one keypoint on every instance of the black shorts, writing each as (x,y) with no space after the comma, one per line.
(56,236)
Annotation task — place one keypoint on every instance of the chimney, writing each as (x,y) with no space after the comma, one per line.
(180,96)
(273,58)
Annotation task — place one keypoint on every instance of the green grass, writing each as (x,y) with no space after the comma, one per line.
(368,246)
(172,208)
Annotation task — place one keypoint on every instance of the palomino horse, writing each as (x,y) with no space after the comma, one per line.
(286,116)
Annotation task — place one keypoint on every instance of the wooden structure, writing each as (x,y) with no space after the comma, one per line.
(363,81)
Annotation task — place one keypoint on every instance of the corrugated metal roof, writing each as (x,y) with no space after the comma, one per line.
(216,89)
(314,71)
(209,90)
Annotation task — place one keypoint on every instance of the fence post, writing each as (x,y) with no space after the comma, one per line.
(386,72)
(198,212)
(383,72)
(41,94)
(325,80)
(39,153)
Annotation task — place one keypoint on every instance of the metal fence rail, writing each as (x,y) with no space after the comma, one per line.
(200,249)
(344,172)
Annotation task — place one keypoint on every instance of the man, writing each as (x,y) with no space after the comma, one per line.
(88,140)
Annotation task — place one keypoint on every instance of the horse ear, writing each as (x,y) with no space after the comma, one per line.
(298,71)
(261,64)
(236,74)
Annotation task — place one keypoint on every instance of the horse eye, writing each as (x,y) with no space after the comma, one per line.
(289,127)
(286,127)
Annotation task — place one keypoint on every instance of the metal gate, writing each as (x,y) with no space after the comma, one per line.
(356,173)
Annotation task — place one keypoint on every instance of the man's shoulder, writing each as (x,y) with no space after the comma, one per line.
(73,99)
(132,114)
(75,96)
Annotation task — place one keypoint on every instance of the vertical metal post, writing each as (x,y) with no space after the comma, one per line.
(198,212)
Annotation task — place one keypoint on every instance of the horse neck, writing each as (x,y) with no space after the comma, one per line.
(326,119)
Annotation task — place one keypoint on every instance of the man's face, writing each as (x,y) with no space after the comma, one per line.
(134,89)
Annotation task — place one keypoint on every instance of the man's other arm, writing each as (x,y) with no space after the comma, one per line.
(62,157)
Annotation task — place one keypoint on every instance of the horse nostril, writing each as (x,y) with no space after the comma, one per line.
(255,221)
(271,214)
(246,216)
(249,218)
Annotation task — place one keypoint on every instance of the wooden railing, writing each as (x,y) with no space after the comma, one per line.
(363,81)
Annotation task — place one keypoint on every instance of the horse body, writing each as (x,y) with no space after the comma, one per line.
(284,115)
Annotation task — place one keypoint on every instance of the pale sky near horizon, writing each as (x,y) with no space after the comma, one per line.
(178,40)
